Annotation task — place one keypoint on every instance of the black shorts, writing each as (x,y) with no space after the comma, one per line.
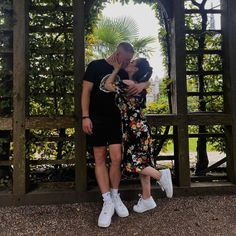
(105,132)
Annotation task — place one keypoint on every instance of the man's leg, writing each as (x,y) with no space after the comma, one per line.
(115,172)
(115,176)
(101,169)
(104,219)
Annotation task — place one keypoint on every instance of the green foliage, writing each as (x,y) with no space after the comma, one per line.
(110,32)
(206,40)
(161,105)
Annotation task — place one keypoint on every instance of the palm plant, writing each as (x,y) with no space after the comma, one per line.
(109,32)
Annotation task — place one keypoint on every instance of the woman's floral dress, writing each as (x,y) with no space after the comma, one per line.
(137,141)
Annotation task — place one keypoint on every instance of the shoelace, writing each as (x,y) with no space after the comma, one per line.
(140,200)
(106,207)
(119,202)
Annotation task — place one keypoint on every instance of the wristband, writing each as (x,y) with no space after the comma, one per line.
(85,117)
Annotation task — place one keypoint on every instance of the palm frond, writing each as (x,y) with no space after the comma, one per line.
(109,32)
(141,46)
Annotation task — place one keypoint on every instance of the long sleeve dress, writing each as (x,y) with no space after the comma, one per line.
(137,141)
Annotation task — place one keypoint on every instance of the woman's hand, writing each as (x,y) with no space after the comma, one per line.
(134,89)
(128,82)
(114,62)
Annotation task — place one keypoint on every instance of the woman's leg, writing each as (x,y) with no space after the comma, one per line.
(145,202)
(163,178)
(150,171)
(146,186)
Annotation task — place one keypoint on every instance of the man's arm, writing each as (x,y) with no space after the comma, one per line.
(135,89)
(85,101)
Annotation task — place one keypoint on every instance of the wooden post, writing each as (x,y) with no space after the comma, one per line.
(19,76)
(178,74)
(229,47)
(80,146)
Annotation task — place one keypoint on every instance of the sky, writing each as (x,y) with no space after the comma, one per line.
(148,25)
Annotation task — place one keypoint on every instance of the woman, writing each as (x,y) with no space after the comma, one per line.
(137,141)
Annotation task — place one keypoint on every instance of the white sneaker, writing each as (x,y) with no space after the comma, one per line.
(121,209)
(144,205)
(108,210)
(166,182)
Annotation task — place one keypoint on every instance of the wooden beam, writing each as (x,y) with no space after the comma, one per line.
(79,55)
(214,166)
(194,31)
(220,72)
(19,77)
(229,46)
(56,122)
(162,119)
(207,118)
(205,93)
(5,123)
(178,74)
(219,52)
(198,11)
(129,192)
(52,30)
(45,9)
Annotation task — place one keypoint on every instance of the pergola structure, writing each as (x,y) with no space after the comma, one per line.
(17,53)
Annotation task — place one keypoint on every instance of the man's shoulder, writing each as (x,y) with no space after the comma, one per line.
(97,62)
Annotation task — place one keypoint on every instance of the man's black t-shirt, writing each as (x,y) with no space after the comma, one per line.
(102,104)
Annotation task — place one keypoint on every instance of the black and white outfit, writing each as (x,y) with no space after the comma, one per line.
(103,112)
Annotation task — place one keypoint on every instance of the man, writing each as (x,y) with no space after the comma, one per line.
(102,124)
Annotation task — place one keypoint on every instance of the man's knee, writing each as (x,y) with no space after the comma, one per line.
(115,154)
(100,156)
(116,159)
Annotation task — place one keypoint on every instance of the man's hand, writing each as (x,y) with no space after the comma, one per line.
(87,126)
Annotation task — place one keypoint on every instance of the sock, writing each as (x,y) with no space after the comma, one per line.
(114,191)
(106,196)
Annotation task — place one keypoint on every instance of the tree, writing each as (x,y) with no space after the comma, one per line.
(109,32)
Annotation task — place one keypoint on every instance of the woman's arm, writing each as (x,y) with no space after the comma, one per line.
(109,83)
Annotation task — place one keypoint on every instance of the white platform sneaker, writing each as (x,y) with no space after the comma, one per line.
(108,210)
(120,208)
(166,182)
(144,205)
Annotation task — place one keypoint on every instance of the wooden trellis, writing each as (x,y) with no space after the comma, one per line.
(21,123)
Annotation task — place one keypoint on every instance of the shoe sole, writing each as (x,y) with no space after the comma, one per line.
(145,210)
(122,216)
(170,183)
(106,225)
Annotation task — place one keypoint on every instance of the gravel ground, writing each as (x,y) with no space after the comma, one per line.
(201,215)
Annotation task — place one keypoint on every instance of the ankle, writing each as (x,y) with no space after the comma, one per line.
(146,197)
(106,197)
(114,191)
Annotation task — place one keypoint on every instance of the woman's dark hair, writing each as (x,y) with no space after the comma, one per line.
(144,72)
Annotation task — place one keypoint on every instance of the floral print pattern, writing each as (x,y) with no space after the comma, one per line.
(137,141)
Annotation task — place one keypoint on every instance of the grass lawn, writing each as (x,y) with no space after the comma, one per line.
(192,146)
